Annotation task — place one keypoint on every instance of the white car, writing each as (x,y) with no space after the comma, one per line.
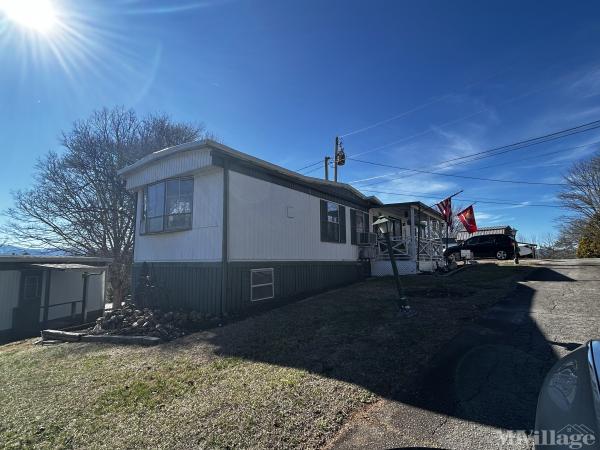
(524,250)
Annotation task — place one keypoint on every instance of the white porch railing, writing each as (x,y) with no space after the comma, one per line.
(401,247)
(431,249)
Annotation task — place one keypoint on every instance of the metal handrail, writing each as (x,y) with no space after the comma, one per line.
(72,303)
(60,304)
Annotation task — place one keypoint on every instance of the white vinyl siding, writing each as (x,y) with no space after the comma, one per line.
(261,229)
(67,286)
(173,166)
(202,242)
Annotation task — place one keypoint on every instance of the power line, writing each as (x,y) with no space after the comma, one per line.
(521,144)
(493,202)
(311,171)
(475,168)
(534,141)
(457,176)
(310,165)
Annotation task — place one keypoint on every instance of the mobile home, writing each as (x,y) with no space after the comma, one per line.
(48,291)
(219,231)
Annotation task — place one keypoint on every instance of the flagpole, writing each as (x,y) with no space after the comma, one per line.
(447,227)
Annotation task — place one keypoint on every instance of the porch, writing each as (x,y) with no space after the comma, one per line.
(416,239)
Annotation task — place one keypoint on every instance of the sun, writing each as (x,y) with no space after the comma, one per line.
(36,15)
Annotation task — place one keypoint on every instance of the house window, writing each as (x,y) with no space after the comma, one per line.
(167,206)
(333,222)
(359,227)
(262,284)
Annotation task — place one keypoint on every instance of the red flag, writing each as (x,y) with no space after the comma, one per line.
(445,207)
(467,217)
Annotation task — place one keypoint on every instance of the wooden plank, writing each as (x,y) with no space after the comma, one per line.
(67,336)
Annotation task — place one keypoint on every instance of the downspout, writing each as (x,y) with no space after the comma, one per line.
(225,239)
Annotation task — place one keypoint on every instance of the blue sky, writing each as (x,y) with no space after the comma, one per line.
(281,79)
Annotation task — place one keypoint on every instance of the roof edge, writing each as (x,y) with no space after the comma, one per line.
(210,144)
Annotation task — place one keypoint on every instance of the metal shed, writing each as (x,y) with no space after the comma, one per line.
(49,291)
(502,229)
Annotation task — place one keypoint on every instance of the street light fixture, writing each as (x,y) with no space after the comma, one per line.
(384,226)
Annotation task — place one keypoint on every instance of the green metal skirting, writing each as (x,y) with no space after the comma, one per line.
(197,286)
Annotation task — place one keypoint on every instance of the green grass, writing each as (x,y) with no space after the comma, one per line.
(288,378)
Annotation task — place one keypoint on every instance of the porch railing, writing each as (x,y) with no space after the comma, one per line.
(431,249)
(401,247)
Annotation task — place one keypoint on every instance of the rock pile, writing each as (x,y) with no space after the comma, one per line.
(129,320)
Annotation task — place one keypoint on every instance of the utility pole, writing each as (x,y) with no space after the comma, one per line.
(339,157)
(335,159)
(327,158)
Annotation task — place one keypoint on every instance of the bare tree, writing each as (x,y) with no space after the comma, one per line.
(581,194)
(78,203)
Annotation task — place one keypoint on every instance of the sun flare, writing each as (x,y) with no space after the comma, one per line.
(36,15)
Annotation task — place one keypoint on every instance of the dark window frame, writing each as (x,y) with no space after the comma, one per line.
(354,226)
(165,227)
(333,231)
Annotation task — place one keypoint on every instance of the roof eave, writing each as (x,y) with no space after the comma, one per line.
(213,145)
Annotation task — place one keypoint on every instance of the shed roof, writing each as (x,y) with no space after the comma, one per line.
(501,229)
(69,266)
(62,260)
(224,150)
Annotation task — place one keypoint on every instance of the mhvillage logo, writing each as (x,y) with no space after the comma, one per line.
(571,436)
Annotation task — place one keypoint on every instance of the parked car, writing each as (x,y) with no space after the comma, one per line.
(499,246)
(525,251)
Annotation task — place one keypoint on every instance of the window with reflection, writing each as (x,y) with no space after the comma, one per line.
(167,206)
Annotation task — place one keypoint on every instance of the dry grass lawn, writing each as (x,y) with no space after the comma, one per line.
(286,378)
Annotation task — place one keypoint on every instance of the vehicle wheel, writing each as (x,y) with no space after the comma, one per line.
(501,254)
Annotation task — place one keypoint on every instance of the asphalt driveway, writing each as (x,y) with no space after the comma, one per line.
(486,381)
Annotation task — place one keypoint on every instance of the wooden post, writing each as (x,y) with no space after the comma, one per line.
(402,300)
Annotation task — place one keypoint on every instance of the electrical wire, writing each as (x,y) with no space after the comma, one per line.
(493,202)
(310,165)
(474,168)
(457,176)
(311,171)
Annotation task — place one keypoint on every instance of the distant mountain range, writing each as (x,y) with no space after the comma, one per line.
(14,250)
